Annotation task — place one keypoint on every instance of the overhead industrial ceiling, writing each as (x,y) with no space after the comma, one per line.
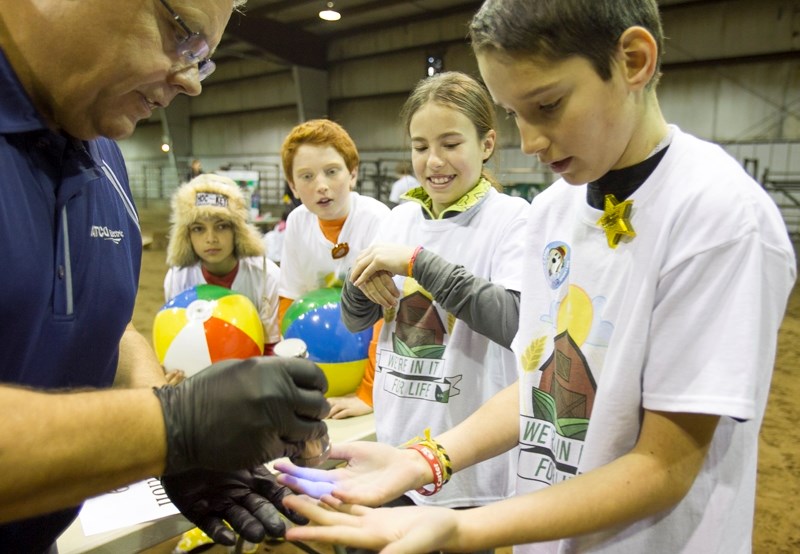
(290,31)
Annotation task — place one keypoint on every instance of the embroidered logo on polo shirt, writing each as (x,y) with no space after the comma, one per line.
(105,233)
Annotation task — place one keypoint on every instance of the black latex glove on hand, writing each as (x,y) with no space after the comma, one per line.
(242,413)
(249,500)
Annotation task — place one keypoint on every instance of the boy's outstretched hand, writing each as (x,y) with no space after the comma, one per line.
(374,474)
(402,530)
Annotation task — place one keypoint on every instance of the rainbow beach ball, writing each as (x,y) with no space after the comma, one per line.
(206,324)
(316,318)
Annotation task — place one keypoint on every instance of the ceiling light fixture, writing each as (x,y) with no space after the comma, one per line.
(330,14)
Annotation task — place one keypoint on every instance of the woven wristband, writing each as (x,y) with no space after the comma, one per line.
(413,259)
(436,469)
(441,454)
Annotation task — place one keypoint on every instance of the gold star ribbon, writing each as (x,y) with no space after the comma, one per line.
(616,220)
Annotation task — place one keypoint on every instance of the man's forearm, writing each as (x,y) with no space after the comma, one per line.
(138,366)
(59,449)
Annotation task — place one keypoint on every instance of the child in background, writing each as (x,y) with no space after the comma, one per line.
(404,183)
(211,242)
(273,239)
(656,274)
(334,223)
(455,318)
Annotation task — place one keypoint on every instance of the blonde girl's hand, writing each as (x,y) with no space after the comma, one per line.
(373,473)
(402,530)
(391,258)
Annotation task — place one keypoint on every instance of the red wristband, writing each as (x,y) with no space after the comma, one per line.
(436,468)
(413,259)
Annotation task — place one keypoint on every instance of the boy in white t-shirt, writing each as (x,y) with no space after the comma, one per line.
(325,234)
(655,279)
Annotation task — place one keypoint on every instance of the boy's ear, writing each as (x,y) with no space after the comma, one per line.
(291,188)
(353,178)
(640,56)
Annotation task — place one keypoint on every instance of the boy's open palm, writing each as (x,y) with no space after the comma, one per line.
(402,530)
(373,474)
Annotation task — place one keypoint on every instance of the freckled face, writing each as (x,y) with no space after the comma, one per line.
(322,182)
(573,121)
(447,153)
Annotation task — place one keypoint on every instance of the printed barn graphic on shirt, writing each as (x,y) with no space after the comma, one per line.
(418,323)
(414,367)
(567,389)
(561,386)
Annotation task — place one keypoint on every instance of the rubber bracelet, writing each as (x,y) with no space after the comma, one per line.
(436,468)
(413,259)
(436,448)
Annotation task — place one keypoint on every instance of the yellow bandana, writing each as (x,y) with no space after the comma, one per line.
(470,199)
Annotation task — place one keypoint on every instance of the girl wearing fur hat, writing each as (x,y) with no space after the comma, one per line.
(211,242)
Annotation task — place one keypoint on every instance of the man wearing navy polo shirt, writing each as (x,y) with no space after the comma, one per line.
(82,398)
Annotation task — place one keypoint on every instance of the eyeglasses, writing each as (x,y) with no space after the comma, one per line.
(193,49)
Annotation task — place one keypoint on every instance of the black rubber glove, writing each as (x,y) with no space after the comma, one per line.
(250,501)
(242,413)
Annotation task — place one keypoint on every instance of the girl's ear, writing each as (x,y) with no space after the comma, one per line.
(488,144)
(640,55)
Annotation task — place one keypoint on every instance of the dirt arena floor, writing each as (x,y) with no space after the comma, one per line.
(777,520)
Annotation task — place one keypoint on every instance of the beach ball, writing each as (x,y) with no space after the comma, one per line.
(206,324)
(316,318)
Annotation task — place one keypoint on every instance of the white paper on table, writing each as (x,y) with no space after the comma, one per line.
(137,503)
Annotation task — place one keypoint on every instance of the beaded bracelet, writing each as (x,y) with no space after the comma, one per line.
(413,259)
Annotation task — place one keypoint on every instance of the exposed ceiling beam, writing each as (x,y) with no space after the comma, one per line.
(288,42)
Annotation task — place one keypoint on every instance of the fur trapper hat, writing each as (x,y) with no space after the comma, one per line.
(210,195)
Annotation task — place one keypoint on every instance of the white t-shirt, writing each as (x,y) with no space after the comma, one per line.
(257,279)
(682,318)
(273,244)
(432,370)
(306,260)
(401,186)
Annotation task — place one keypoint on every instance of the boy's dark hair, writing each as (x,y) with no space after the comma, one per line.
(558,29)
